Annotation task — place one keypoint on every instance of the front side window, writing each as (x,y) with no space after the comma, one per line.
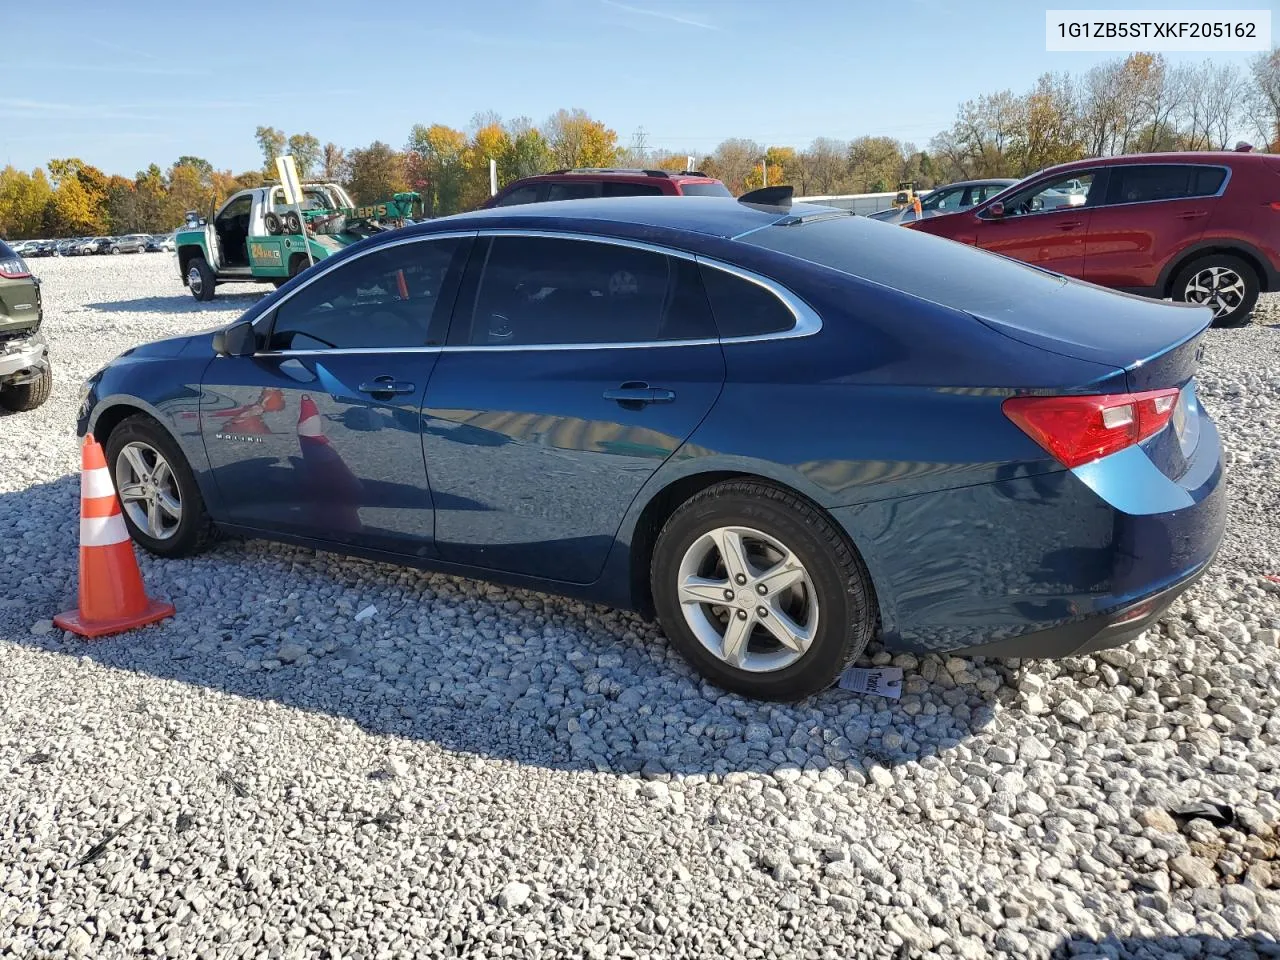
(386,298)
(238,207)
(943,201)
(539,291)
(1142,183)
(1049,196)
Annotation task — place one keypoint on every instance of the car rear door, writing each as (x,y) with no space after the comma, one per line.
(1152,211)
(574,368)
(318,433)
(1043,224)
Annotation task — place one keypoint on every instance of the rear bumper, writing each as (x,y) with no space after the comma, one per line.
(1099,632)
(1041,565)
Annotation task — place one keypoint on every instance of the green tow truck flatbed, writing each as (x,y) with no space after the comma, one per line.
(256,237)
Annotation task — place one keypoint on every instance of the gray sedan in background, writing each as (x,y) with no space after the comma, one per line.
(952,198)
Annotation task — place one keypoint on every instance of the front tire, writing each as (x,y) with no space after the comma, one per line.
(1226,284)
(761,591)
(200,278)
(158,494)
(28,396)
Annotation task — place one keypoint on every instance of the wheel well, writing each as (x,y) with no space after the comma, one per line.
(186,254)
(300,261)
(111,418)
(1245,255)
(658,510)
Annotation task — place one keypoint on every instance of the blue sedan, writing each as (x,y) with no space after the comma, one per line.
(781,429)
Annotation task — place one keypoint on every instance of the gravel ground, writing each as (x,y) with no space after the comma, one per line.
(476,771)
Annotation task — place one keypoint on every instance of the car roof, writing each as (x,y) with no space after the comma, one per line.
(721,217)
(618,173)
(1211,157)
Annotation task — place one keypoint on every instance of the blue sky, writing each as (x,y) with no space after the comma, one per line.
(122,89)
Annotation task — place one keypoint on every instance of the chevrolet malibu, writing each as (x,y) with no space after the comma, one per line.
(781,429)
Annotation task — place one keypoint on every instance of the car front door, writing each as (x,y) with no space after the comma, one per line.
(575,368)
(1044,224)
(1151,212)
(318,434)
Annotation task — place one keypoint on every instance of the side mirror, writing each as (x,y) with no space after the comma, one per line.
(996,209)
(237,340)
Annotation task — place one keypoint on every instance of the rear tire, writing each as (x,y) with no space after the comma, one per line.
(200,278)
(802,580)
(28,396)
(194,531)
(1226,284)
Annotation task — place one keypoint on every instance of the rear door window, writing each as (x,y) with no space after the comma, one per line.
(544,291)
(1143,183)
(574,190)
(632,190)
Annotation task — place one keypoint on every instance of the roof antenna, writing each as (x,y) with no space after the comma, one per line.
(769,198)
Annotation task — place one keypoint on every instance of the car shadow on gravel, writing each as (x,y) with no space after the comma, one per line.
(184,303)
(1160,948)
(468,666)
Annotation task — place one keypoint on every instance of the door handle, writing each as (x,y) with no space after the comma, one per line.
(634,394)
(1070,224)
(1193,214)
(387,385)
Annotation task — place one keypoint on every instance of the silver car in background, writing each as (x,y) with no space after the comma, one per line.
(951,198)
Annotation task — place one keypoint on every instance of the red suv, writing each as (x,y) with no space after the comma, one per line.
(602,182)
(1198,227)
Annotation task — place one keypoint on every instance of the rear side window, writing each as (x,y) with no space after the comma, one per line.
(631,190)
(543,291)
(1140,183)
(574,190)
(519,195)
(384,299)
(704,190)
(743,308)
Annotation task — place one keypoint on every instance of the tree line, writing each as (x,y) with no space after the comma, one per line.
(1140,103)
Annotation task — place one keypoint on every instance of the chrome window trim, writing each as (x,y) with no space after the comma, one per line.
(807,320)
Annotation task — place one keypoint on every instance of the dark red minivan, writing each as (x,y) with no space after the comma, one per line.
(1198,227)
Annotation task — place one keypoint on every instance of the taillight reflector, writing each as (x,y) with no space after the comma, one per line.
(1079,430)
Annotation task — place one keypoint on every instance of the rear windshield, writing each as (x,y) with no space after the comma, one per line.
(6,251)
(943,271)
(705,190)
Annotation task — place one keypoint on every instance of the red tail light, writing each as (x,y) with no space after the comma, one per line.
(1078,430)
(14,268)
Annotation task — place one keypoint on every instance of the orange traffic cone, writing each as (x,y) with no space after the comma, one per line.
(112,597)
(336,491)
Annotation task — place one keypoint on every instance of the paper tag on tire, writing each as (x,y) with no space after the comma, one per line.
(877,681)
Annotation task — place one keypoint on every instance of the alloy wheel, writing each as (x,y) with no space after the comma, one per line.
(748,599)
(148,490)
(195,281)
(1220,288)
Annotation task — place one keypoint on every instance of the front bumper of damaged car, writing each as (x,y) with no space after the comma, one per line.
(23,359)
